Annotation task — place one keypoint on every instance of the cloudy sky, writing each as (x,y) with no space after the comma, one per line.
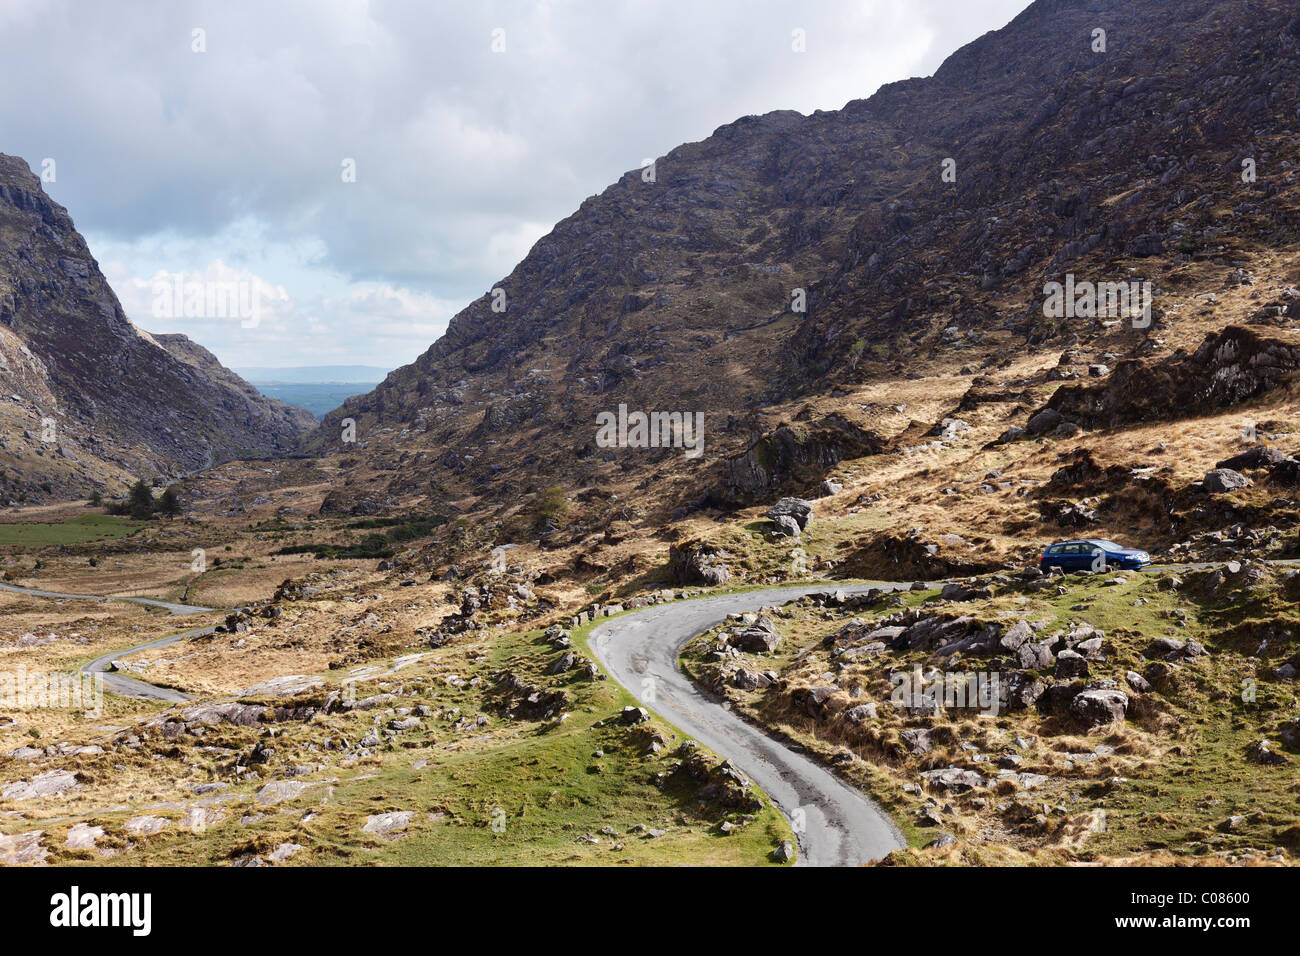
(201,141)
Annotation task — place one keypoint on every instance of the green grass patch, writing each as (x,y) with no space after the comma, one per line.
(512,792)
(78,530)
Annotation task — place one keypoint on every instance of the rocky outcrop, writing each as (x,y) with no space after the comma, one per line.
(1232,366)
(888,556)
(695,562)
(796,457)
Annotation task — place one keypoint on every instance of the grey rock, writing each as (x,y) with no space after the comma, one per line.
(1224,479)
(1035,656)
(785,526)
(761,637)
(1137,682)
(82,836)
(1071,664)
(917,741)
(51,783)
(1099,708)
(954,779)
(800,509)
(388,825)
(634,715)
(278,791)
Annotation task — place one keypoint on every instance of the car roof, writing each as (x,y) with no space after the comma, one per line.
(1083,541)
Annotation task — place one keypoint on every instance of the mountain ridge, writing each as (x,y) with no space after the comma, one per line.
(680,292)
(94,402)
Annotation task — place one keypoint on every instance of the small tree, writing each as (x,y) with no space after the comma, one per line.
(551,508)
(139,501)
(170,503)
(96,499)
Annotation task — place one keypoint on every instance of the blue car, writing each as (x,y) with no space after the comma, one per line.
(1093,554)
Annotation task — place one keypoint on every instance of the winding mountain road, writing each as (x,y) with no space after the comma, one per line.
(120,683)
(835,824)
(148,602)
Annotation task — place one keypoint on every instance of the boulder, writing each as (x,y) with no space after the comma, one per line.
(861,712)
(1071,664)
(1224,479)
(799,509)
(785,526)
(145,825)
(1137,682)
(1035,657)
(1165,648)
(1055,700)
(1099,708)
(634,715)
(19,849)
(761,637)
(1049,419)
(82,836)
(51,783)
(1263,753)
(278,791)
(1020,691)
(954,779)
(917,741)
(388,825)
(817,699)
(1015,636)
(1261,456)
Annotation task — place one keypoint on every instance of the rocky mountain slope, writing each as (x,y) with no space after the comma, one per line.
(787,257)
(88,399)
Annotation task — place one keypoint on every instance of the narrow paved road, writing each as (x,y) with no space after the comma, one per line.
(114,681)
(148,602)
(125,686)
(835,823)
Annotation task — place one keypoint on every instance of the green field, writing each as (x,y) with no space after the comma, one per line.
(77,530)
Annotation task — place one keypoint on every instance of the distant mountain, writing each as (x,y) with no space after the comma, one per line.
(315,375)
(87,400)
(317,388)
(319,398)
